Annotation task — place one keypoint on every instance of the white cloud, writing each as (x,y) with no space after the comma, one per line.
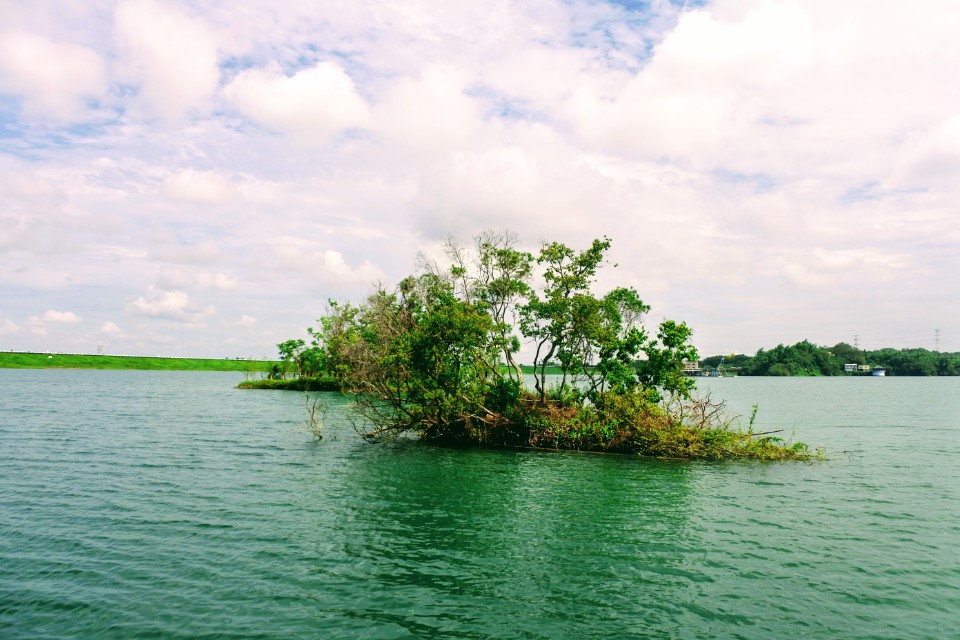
(936,156)
(169,249)
(331,269)
(531,182)
(247,322)
(8,327)
(170,305)
(219,281)
(177,279)
(61,317)
(706,84)
(202,187)
(782,88)
(170,56)
(312,104)
(164,304)
(325,267)
(430,113)
(111,329)
(54,78)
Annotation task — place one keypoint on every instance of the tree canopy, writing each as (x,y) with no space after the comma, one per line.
(436,355)
(807,359)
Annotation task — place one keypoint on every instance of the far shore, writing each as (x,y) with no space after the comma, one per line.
(34,360)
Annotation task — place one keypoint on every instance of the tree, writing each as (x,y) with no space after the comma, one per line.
(494,276)
(804,358)
(435,356)
(563,320)
(289,350)
(663,368)
(305,361)
(417,358)
(847,354)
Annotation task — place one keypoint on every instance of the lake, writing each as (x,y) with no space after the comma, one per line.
(139,504)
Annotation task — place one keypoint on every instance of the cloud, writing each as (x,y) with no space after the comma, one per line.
(182,252)
(202,187)
(54,79)
(936,156)
(313,104)
(176,279)
(111,329)
(170,57)
(217,281)
(169,305)
(536,182)
(8,327)
(247,322)
(326,267)
(60,317)
(429,113)
(162,304)
(705,85)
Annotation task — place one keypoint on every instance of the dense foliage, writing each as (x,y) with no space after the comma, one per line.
(436,356)
(806,359)
(308,383)
(916,362)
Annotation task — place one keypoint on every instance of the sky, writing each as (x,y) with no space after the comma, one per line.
(197,178)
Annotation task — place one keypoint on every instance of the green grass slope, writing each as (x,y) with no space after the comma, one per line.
(21,360)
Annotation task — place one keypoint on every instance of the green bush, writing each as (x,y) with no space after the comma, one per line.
(434,357)
(292,384)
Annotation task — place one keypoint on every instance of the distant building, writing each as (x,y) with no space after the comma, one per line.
(850,367)
(691,368)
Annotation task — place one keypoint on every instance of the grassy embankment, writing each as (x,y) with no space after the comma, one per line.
(21,360)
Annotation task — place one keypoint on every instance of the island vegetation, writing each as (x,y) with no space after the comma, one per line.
(436,357)
(807,359)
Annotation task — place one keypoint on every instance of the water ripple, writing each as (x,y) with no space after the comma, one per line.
(169,505)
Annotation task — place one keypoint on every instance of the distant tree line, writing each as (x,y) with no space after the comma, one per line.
(807,359)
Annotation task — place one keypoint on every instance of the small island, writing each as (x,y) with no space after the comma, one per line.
(435,357)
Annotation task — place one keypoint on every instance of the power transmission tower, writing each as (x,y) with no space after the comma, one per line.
(856,342)
(936,340)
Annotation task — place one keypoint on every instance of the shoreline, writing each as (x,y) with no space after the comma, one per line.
(37,360)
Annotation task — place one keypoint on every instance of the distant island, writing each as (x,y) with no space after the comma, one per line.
(842,359)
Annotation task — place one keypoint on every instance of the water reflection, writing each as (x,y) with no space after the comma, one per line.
(449,532)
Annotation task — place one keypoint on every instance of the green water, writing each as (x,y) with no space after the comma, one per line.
(170,505)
